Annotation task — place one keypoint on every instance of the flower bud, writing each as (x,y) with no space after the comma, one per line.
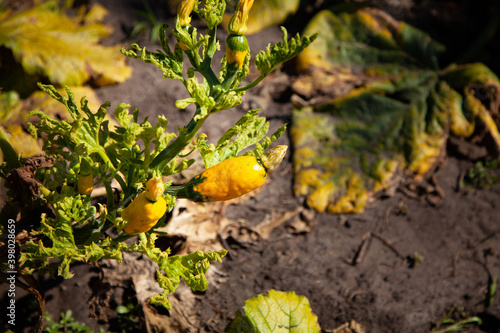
(273,157)
(184,11)
(238,23)
(154,189)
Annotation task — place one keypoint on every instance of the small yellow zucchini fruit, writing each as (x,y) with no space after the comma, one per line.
(146,209)
(230,178)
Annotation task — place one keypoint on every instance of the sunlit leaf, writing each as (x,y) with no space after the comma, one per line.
(23,142)
(250,130)
(49,43)
(39,100)
(276,311)
(267,13)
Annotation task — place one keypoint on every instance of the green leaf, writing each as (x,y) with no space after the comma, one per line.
(277,311)
(191,268)
(212,12)
(266,61)
(79,134)
(169,65)
(47,42)
(248,131)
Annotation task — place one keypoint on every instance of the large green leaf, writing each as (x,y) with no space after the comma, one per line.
(389,111)
(47,42)
(277,311)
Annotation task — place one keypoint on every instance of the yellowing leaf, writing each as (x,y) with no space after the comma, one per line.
(47,42)
(23,143)
(390,109)
(10,104)
(278,311)
(266,13)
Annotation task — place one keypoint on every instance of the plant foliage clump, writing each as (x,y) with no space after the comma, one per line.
(69,226)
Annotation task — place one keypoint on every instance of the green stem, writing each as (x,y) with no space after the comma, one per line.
(182,141)
(112,169)
(106,160)
(147,154)
(206,65)
(9,152)
(123,237)
(120,181)
(251,84)
(109,194)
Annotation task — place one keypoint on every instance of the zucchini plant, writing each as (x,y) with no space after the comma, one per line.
(51,195)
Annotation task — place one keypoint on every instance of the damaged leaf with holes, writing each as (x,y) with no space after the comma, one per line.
(389,112)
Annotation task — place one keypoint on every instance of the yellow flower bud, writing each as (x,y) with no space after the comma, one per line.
(184,11)
(238,23)
(154,188)
(273,157)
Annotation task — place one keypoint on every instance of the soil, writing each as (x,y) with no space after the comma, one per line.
(398,267)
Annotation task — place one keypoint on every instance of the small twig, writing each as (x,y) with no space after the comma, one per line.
(387,214)
(387,242)
(455,261)
(363,247)
(487,238)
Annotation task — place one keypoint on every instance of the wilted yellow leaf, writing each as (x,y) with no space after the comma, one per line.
(266,13)
(23,143)
(49,43)
(390,109)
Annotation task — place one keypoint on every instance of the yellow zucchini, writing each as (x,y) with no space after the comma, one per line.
(85,184)
(230,179)
(146,209)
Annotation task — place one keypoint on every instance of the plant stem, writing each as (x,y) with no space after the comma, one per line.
(109,194)
(206,65)
(123,237)
(120,181)
(147,154)
(112,169)
(251,84)
(182,141)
